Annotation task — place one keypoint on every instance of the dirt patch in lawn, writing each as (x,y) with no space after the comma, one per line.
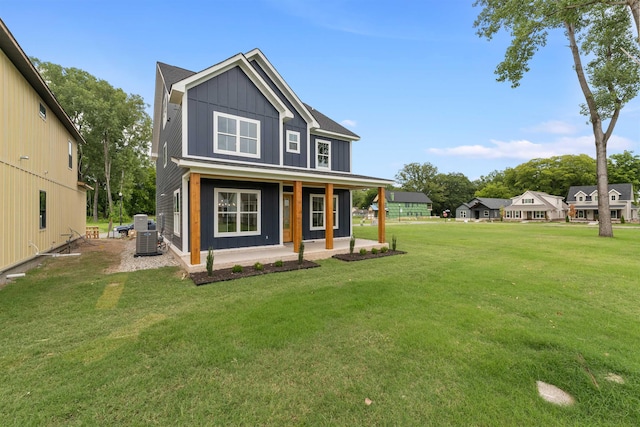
(225,274)
(368,255)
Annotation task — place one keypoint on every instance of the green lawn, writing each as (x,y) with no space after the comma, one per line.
(455,332)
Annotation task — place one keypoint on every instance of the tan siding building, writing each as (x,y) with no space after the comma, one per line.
(41,200)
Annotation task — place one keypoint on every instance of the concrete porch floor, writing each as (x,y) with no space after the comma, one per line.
(313,250)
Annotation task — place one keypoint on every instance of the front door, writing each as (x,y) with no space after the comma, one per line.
(287,204)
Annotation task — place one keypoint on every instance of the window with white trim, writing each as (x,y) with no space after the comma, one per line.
(165,106)
(527,201)
(70,155)
(317,212)
(539,214)
(43,111)
(613,197)
(323,154)
(614,214)
(235,135)
(164,154)
(237,212)
(293,142)
(463,214)
(486,214)
(177,217)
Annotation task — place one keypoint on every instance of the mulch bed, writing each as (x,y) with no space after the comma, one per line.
(357,257)
(224,274)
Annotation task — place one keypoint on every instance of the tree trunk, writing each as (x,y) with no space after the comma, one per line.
(95,201)
(604,214)
(107,173)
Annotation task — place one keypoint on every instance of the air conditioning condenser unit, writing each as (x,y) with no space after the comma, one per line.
(147,243)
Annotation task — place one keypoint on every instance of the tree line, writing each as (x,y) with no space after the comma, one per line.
(117,130)
(552,175)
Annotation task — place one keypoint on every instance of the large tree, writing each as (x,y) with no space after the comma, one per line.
(625,168)
(114,124)
(600,32)
(421,178)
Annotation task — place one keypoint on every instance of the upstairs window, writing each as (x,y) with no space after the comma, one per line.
(43,111)
(293,142)
(527,201)
(165,106)
(70,155)
(613,197)
(323,154)
(235,135)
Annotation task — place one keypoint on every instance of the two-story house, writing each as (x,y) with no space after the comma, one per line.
(584,199)
(41,199)
(406,204)
(243,162)
(536,206)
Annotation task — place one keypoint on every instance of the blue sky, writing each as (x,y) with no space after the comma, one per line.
(410,77)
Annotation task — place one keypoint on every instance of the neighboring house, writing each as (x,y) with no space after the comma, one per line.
(41,200)
(481,208)
(584,199)
(536,206)
(405,204)
(242,162)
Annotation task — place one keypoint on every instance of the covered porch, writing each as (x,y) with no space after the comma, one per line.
(313,250)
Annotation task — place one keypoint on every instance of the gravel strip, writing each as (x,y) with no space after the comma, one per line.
(130,262)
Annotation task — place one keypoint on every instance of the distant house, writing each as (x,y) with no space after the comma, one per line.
(405,204)
(242,162)
(536,206)
(585,201)
(481,208)
(41,199)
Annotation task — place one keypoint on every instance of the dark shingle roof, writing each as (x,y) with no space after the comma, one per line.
(173,74)
(625,190)
(329,125)
(491,203)
(406,197)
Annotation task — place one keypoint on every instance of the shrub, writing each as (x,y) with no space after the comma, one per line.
(566,218)
(258,266)
(374,250)
(278,263)
(236,269)
(394,242)
(363,251)
(301,253)
(209,262)
(384,249)
(352,244)
(622,219)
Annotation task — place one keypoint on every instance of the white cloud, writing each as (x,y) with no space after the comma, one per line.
(527,150)
(555,127)
(349,123)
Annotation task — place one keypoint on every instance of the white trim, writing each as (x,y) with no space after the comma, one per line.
(185,126)
(165,154)
(177,214)
(324,212)
(70,155)
(281,216)
(272,173)
(328,167)
(238,119)
(238,192)
(341,136)
(287,146)
(185,212)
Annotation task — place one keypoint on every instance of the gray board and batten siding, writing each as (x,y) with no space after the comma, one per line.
(233,93)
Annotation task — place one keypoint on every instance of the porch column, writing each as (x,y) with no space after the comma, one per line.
(297,215)
(382,215)
(328,203)
(194,217)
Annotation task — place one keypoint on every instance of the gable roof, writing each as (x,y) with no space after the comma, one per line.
(406,197)
(489,202)
(625,190)
(20,60)
(177,80)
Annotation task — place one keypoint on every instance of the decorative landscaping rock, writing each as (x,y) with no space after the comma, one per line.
(554,395)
